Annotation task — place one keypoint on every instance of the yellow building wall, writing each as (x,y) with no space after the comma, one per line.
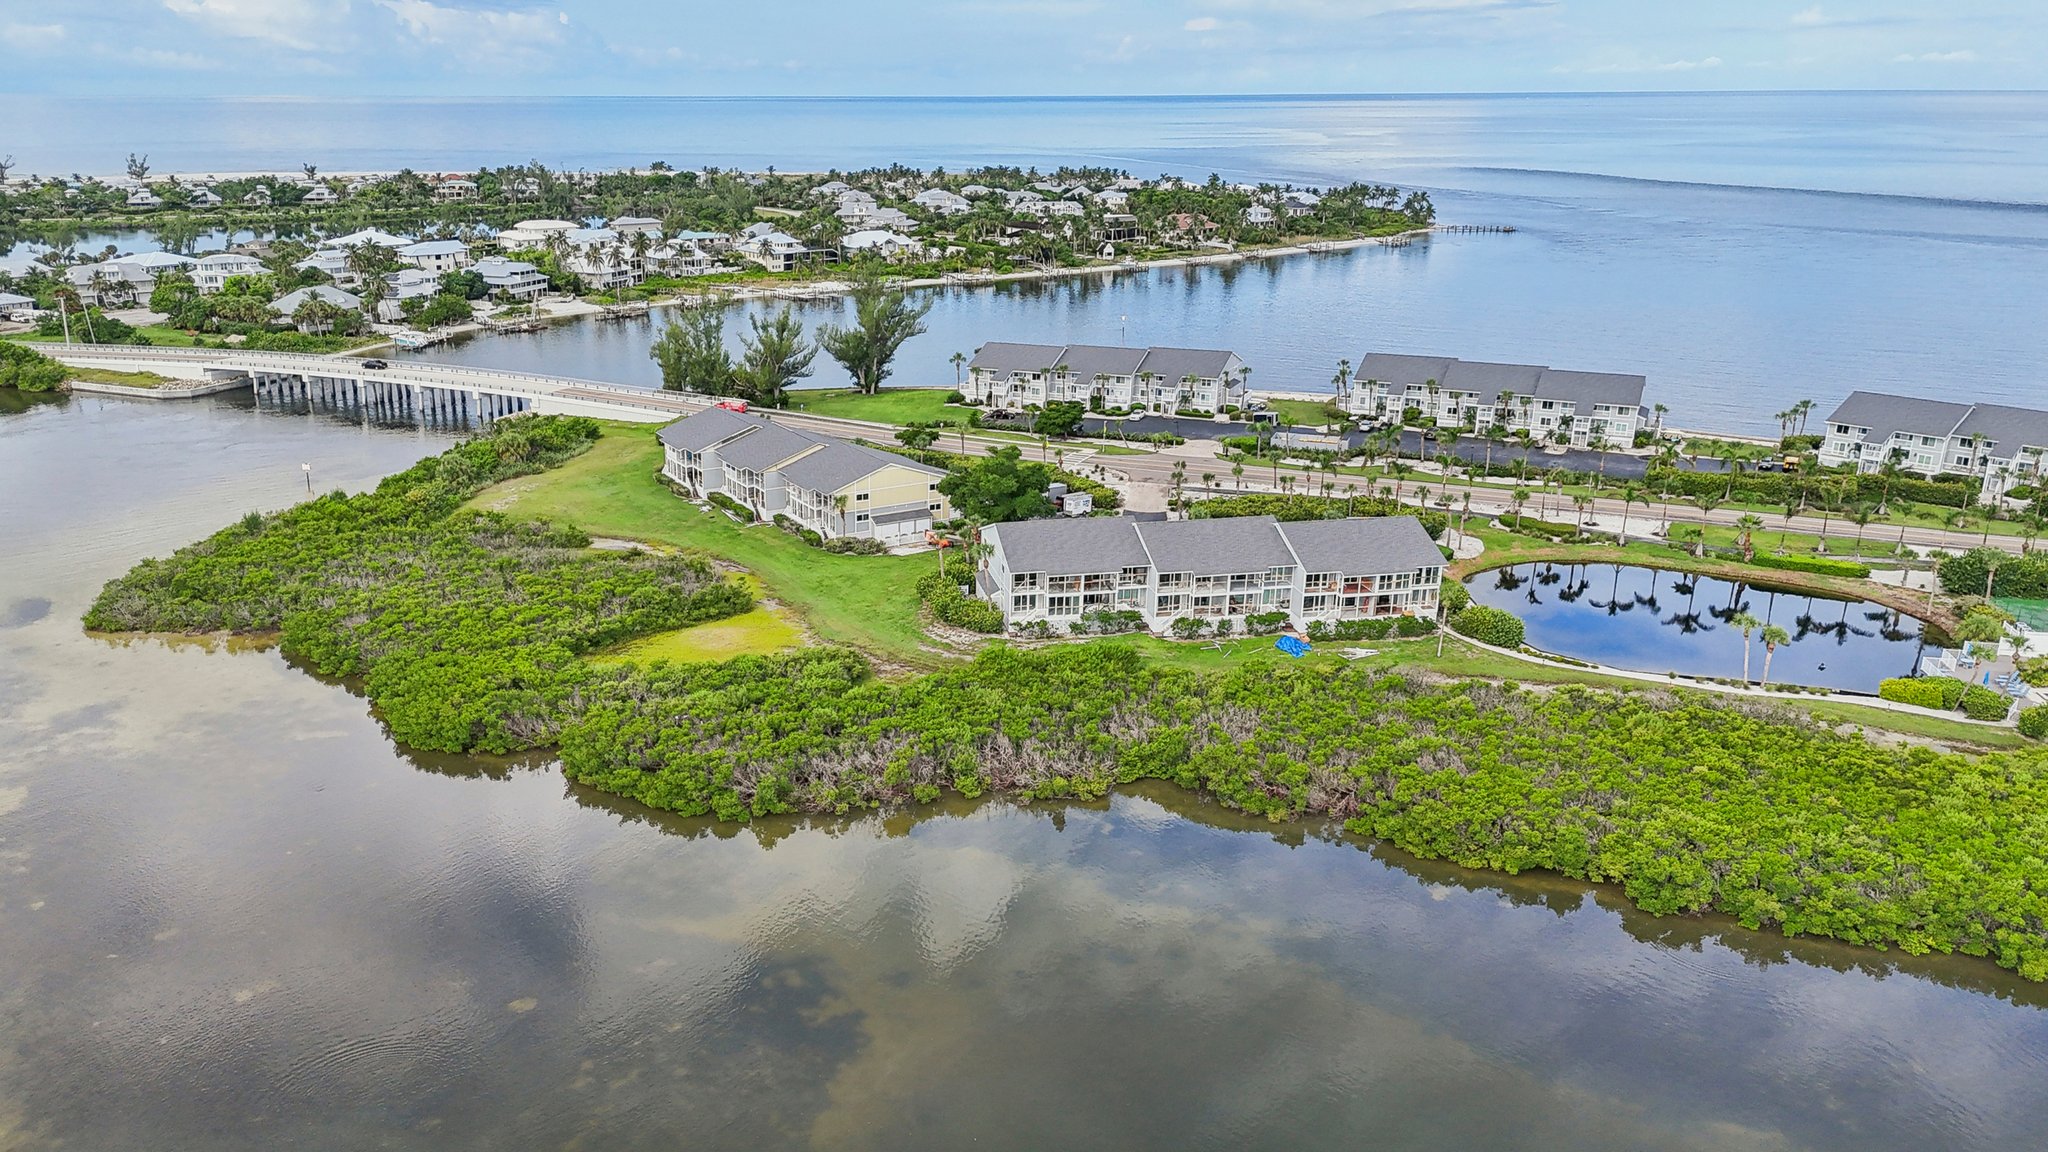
(896,485)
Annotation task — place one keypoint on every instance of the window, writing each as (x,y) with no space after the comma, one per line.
(860,518)
(1064,605)
(934,507)
(1132,575)
(860,497)
(1023,580)
(1024,603)
(931,488)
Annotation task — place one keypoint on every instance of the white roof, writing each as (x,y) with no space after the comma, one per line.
(228,260)
(635,222)
(10,300)
(289,303)
(158,260)
(367,236)
(434,248)
(544,226)
(875,238)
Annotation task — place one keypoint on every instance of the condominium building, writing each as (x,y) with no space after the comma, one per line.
(1164,380)
(2002,445)
(825,484)
(1219,569)
(1551,404)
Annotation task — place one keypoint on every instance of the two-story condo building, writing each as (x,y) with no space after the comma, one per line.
(1162,380)
(437,256)
(2003,445)
(1551,404)
(827,485)
(514,279)
(1221,569)
(212,272)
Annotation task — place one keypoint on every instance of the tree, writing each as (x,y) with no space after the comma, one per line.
(883,318)
(467,284)
(691,353)
(173,296)
(6,166)
(138,166)
(1061,418)
(958,360)
(917,436)
(773,358)
(1772,637)
(311,170)
(1748,624)
(1000,487)
(1748,525)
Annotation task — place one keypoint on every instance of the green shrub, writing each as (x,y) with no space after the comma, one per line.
(1952,690)
(1188,628)
(1919,691)
(2033,722)
(2025,577)
(721,500)
(1818,565)
(1981,703)
(1291,507)
(1266,623)
(1489,626)
(27,370)
(1110,621)
(1455,597)
(941,592)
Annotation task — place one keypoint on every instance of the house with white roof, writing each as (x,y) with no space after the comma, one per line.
(627,225)
(1551,405)
(603,258)
(1259,216)
(1113,199)
(210,273)
(976,191)
(203,198)
(375,236)
(831,188)
(1299,203)
(1161,380)
(881,242)
(319,194)
(532,233)
(2001,444)
(943,201)
(1211,570)
(126,280)
(454,191)
(679,258)
(12,305)
(707,241)
(436,256)
(825,484)
(258,197)
(144,198)
(406,284)
(778,251)
(512,279)
(332,261)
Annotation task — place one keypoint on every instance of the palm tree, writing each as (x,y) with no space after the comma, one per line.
(1583,504)
(1520,496)
(958,360)
(1237,474)
(1748,524)
(1342,381)
(1706,502)
(1748,624)
(1860,514)
(1772,637)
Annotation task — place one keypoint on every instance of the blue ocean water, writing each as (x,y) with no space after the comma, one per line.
(1744,250)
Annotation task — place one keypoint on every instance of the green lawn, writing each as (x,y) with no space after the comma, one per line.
(757,633)
(110,376)
(889,406)
(612,490)
(1310,412)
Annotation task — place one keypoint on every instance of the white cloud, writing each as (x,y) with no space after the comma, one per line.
(31,36)
(1959,56)
(1810,18)
(486,36)
(1203,24)
(304,25)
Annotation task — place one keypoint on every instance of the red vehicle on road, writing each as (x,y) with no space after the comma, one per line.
(732,405)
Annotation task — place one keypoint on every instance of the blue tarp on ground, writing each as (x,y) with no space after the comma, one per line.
(1292,645)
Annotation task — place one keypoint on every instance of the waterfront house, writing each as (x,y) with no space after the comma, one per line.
(406,284)
(511,279)
(287,305)
(319,194)
(1551,404)
(258,197)
(211,273)
(881,242)
(1161,380)
(2002,445)
(602,258)
(378,237)
(827,485)
(1259,216)
(332,261)
(678,258)
(713,242)
(532,233)
(1210,570)
(778,251)
(203,198)
(1186,228)
(1299,203)
(454,191)
(1121,228)
(144,198)
(437,256)
(123,282)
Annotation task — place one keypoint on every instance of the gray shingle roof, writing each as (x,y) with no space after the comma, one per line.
(1069,547)
(1487,380)
(1589,388)
(1176,363)
(997,356)
(1884,414)
(2006,428)
(1086,361)
(836,464)
(1362,547)
(1216,547)
(289,303)
(764,447)
(695,433)
(1401,371)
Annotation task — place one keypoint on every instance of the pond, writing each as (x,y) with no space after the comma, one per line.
(1654,620)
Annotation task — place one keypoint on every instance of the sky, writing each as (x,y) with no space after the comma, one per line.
(467,48)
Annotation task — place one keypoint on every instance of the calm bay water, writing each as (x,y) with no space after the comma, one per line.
(233,915)
(1744,251)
